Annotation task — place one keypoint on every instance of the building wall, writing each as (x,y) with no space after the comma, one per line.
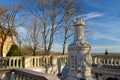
(7,45)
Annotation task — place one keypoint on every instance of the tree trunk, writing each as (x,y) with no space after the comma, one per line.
(66,31)
(64,46)
(65,40)
(1,50)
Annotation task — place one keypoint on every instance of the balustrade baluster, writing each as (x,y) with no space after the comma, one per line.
(5,62)
(34,62)
(113,61)
(47,60)
(13,63)
(31,62)
(21,63)
(95,60)
(108,61)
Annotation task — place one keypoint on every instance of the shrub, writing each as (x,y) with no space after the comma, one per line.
(14,51)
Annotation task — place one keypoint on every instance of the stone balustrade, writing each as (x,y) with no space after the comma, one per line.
(32,61)
(24,74)
(12,62)
(110,60)
(38,61)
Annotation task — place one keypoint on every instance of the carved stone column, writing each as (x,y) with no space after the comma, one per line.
(79,58)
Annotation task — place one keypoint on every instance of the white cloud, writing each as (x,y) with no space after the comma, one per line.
(106,24)
(105,29)
(105,36)
(90,15)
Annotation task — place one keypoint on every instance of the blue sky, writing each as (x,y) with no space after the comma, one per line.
(102,20)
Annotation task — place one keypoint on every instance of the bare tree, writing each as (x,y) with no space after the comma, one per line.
(53,15)
(71,9)
(33,36)
(7,23)
(49,14)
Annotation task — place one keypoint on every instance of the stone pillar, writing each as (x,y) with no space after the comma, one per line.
(79,57)
(79,30)
(27,62)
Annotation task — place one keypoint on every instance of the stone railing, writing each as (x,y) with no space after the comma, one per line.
(2,73)
(38,61)
(24,74)
(110,60)
(32,61)
(11,62)
(27,62)
(106,71)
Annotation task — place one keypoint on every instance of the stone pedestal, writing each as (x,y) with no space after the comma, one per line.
(79,58)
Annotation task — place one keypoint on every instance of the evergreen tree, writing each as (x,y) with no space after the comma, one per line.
(14,51)
(106,52)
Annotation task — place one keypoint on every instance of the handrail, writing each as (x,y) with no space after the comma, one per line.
(106,71)
(20,74)
(4,70)
(31,61)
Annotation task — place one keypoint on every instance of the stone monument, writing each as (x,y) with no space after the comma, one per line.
(79,57)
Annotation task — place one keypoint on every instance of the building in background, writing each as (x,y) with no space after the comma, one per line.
(8,41)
